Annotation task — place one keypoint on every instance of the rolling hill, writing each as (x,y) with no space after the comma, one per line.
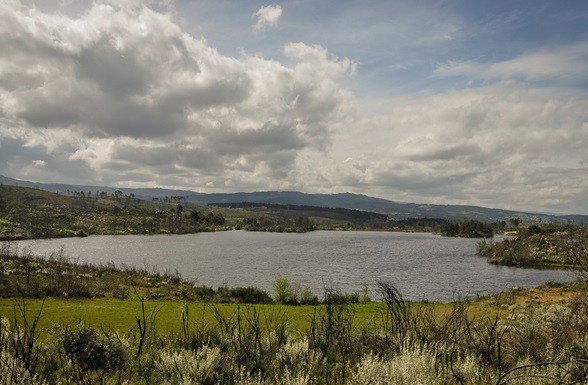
(395,210)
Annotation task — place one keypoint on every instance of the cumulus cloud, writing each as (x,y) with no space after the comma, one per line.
(116,71)
(121,95)
(132,92)
(267,16)
(503,146)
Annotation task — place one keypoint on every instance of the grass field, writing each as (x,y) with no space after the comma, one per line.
(121,314)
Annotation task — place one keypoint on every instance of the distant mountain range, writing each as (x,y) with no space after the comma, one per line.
(393,209)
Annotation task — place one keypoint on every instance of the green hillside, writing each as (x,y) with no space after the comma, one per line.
(360,202)
(28,213)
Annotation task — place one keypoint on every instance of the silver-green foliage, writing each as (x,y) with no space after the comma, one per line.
(536,344)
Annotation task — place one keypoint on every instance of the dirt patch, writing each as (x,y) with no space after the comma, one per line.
(545,295)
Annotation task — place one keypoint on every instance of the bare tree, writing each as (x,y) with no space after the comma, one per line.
(575,246)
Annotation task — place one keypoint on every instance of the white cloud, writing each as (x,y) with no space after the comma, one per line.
(468,68)
(568,62)
(121,95)
(501,146)
(127,90)
(267,16)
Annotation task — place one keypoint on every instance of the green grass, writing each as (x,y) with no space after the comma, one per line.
(121,314)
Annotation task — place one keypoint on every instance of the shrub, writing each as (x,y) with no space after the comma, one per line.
(186,367)
(534,230)
(364,295)
(89,351)
(293,293)
(307,298)
(14,372)
(250,295)
(204,292)
(412,366)
(121,293)
(282,290)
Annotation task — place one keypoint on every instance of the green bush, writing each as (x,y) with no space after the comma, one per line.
(90,351)
(250,295)
(467,229)
(282,290)
(293,293)
(534,230)
(204,292)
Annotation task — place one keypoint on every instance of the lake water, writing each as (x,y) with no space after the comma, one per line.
(422,266)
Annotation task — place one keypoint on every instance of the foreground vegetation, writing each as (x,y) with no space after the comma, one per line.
(248,344)
(65,324)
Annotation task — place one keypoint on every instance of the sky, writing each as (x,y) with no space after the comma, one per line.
(444,102)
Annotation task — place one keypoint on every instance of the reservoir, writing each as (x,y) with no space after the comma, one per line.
(421,265)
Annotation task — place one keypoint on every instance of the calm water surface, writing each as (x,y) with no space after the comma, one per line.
(420,265)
